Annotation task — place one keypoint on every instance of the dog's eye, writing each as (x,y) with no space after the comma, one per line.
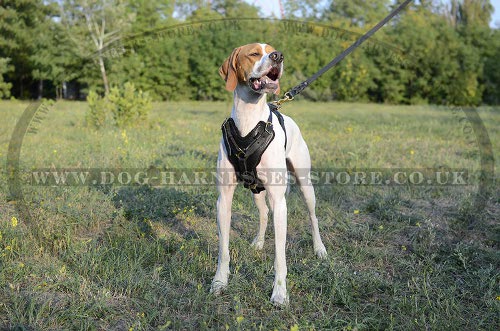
(255,54)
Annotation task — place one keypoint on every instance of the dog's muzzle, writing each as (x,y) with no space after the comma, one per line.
(268,81)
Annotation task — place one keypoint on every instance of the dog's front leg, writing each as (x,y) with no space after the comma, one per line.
(224,227)
(226,185)
(260,202)
(277,195)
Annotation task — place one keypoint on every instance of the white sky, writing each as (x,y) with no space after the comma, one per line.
(495,22)
(272,7)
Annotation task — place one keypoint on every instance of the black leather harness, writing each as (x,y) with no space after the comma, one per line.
(245,153)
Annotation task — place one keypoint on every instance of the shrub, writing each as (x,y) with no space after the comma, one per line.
(96,114)
(4,86)
(122,107)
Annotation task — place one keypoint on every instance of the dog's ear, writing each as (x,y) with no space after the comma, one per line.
(228,70)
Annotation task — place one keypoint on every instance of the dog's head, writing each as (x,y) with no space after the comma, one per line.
(257,66)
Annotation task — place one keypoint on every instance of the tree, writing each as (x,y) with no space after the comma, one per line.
(93,25)
(149,14)
(491,78)
(359,12)
(305,9)
(471,18)
(54,59)
(470,12)
(216,45)
(21,24)
(4,86)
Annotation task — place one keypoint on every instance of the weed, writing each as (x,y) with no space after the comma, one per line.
(138,257)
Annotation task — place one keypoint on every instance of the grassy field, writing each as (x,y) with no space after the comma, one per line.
(142,257)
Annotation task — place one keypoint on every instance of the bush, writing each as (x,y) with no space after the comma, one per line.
(96,114)
(122,108)
(4,86)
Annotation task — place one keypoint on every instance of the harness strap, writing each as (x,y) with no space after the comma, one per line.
(227,135)
(261,139)
(245,153)
(274,109)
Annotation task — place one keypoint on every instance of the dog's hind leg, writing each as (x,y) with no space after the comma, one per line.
(308,192)
(302,169)
(260,201)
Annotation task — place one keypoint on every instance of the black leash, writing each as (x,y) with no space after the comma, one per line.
(288,96)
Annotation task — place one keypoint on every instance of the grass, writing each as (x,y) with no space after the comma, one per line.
(142,257)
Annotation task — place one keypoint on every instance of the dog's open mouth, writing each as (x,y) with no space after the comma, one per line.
(269,81)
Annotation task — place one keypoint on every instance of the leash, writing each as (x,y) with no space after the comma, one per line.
(289,96)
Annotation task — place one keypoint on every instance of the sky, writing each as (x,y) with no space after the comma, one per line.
(495,22)
(272,6)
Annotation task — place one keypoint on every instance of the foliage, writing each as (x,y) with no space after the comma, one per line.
(22,23)
(491,70)
(4,86)
(358,12)
(129,106)
(444,54)
(98,109)
(123,107)
(94,25)
(471,12)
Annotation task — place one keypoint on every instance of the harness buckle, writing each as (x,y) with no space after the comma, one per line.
(240,155)
(269,125)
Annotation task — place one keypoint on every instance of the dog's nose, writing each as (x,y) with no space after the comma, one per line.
(276,56)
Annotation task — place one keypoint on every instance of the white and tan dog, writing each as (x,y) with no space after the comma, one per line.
(252,71)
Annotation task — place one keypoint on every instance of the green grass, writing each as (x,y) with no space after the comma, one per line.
(142,258)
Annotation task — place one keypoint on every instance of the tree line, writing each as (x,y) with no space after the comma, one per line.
(430,53)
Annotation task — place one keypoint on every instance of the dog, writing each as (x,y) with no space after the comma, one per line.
(251,72)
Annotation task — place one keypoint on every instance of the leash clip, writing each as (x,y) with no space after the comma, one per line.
(287,97)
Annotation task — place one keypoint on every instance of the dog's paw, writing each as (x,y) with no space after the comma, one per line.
(279,297)
(217,287)
(320,251)
(258,244)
